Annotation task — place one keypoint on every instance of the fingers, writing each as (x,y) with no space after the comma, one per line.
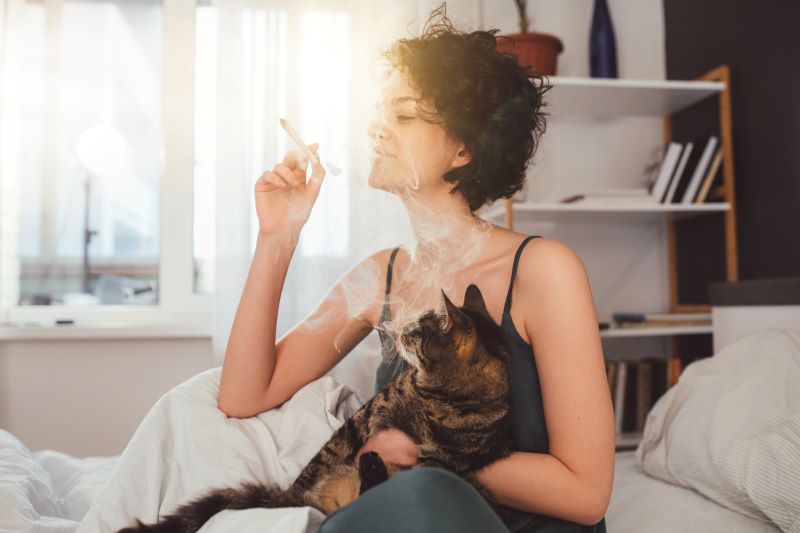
(279,179)
(269,182)
(291,173)
(293,178)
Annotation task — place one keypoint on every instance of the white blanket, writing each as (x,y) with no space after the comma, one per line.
(46,491)
(184,446)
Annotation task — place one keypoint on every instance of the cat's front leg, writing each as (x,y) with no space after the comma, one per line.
(371,471)
(340,449)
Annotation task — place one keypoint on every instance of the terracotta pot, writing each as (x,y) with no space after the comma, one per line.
(539,50)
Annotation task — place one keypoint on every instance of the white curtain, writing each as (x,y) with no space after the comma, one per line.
(315,64)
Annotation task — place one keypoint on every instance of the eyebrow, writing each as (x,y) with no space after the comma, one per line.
(400,99)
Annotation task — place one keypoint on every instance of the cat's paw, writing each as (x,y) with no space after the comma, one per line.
(371,471)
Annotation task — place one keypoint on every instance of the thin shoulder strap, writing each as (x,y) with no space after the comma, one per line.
(385,310)
(507,306)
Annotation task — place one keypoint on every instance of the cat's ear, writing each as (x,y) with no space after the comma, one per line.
(447,311)
(473,299)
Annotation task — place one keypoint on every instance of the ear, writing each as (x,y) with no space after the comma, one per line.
(448,311)
(462,156)
(474,299)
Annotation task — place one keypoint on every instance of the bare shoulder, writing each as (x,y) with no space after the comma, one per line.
(547,257)
(367,278)
(549,272)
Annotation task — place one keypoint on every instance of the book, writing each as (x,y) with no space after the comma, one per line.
(643,392)
(611,373)
(659,378)
(627,316)
(700,170)
(688,171)
(675,367)
(629,404)
(619,394)
(665,171)
(662,324)
(676,177)
(710,175)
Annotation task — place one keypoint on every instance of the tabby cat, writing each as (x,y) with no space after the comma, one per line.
(453,402)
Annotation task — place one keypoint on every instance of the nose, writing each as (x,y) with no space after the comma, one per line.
(378,129)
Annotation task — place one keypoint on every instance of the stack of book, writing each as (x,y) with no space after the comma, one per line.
(654,320)
(684,176)
(636,385)
(687,171)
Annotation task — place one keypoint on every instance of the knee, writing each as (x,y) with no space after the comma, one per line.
(428,480)
(421,500)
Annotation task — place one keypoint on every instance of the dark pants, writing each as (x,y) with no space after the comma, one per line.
(422,500)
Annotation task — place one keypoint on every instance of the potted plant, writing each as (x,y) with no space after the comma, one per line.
(539,50)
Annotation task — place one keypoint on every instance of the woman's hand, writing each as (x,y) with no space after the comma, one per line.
(283,198)
(393,446)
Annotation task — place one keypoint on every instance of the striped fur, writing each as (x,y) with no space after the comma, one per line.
(454,403)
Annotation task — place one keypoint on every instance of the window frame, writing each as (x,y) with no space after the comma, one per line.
(177,301)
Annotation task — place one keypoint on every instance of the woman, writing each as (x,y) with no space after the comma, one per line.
(457,124)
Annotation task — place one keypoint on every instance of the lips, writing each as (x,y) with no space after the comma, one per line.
(381,151)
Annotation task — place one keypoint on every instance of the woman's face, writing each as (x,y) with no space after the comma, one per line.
(409,153)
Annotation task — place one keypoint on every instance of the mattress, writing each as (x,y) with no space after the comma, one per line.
(642,503)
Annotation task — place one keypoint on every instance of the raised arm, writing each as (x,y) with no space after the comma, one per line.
(258,373)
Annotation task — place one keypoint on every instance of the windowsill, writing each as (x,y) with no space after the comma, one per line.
(109,330)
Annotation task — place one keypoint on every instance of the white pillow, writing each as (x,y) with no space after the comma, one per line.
(730,428)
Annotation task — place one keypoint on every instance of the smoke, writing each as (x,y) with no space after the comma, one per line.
(410,153)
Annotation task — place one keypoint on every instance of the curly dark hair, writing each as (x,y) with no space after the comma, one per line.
(483,97)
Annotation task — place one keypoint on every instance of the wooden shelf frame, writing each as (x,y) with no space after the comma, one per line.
(726,192)
(720,77)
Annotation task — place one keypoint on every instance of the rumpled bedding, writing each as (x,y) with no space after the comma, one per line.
(184,446)
(730,429)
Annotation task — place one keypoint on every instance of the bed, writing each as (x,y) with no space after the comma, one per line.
(646,504)
(676,480)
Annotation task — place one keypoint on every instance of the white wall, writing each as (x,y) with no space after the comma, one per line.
(86,398)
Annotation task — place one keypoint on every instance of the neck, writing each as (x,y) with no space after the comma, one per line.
(444,228)
(448,240)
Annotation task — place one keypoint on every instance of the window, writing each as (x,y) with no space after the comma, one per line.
(95,93)
(102,92)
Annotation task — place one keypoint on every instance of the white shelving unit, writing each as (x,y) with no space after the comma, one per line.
(614,97)
(592,97)
(643,213)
